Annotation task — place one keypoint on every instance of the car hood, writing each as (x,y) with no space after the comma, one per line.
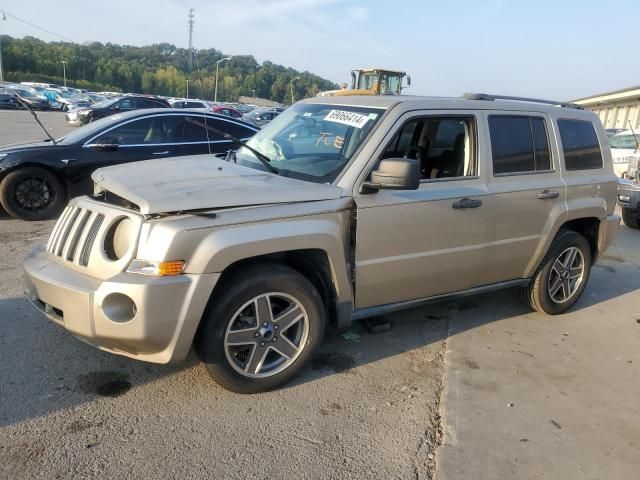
(203,182)
(26,146)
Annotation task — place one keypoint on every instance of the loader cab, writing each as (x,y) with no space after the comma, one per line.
(378,81)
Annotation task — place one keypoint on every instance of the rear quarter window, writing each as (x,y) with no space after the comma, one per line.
(580,145)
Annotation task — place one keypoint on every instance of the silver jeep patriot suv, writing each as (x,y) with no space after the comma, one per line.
(340,209)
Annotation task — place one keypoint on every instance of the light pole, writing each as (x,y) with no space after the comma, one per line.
(187,89)
(2,18)
(291,84)
(215,94)
(64,71)
(253,92)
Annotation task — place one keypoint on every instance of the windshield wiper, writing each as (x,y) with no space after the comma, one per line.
(266,161)
(26,105)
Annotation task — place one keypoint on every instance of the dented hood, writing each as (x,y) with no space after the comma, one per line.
(202,182)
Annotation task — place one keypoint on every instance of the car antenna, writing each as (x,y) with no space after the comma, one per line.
(26,105)
(634,135)
(266,161)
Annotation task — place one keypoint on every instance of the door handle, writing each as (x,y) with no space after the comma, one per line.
(467,203)
(161,153)
(548,194)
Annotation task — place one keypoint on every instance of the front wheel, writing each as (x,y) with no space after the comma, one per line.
(562,275)
(262,328)
(32,193)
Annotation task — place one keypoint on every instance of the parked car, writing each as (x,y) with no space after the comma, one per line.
(629,194)
(34,102)
(183,103)
(624,149)
(36,180)
(261,116)
(114,105)
(8,100)
(376,204)
(227,111)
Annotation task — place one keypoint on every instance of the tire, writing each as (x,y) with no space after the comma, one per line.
(27,180)
(538,294)
(233,307)
(631,218)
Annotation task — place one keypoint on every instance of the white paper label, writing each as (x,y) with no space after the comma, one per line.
(347,118)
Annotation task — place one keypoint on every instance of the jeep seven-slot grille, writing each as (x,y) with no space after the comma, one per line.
(76,226)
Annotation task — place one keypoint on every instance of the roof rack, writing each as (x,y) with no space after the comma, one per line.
(489,98)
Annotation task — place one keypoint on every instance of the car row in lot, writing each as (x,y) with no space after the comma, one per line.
(37,179)
(82,116)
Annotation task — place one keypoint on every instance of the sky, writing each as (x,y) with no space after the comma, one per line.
(562,49)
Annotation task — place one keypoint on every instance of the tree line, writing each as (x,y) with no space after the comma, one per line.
(160,69)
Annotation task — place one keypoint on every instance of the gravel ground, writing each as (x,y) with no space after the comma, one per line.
(367,408)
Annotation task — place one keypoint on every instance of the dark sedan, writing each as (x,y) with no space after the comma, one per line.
(114,105)
(37,179)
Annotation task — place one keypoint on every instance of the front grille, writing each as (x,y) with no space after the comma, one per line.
(73,229)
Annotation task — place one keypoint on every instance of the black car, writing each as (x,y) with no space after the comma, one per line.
(37,179)
(8,100)
(116,105)
(34,102)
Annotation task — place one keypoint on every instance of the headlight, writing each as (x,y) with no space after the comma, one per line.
(118,238)
(157,269)
(624,198)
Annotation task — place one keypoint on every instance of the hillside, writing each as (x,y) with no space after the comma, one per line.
(160,69)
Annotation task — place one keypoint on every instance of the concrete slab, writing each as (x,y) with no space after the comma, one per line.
(530,396)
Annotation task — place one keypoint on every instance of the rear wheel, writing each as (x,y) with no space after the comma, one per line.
(631,217)
(262,328)
(562,275)
(32,194)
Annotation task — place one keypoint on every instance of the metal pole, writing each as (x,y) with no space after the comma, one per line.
(291,84)
(215,93)
(2,18)
(187,89)
(64,72)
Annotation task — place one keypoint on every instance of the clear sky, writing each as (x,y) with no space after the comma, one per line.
(561,49)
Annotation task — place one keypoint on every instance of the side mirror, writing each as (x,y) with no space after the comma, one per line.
(394,174)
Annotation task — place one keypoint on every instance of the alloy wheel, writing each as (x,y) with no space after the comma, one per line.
(266,335)
(566,276)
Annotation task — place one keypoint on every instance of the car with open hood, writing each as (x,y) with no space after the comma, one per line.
(341,208)
(37,179)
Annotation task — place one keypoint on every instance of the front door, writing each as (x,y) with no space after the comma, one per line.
(430,241)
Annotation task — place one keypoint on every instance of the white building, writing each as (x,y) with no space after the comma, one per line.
(618,109)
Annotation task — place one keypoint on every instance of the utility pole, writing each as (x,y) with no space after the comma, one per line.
(64,71)
(215,94)
(191,22)
(291,83)
(187,89)
(3,17)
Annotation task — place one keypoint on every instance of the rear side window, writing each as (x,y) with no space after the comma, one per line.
(519,144)
(580,145)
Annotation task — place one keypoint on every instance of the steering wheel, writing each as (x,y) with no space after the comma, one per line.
(421,151)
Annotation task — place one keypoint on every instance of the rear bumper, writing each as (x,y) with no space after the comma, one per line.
(607,233)
(160,328)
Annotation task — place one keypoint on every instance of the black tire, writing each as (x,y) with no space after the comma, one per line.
(631,217)
(239,289)
(537,294)
(12,196)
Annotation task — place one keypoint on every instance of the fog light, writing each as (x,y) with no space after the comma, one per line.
(118,307)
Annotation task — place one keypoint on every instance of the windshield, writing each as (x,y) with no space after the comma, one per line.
(623,141)
(82,133)
(311,142)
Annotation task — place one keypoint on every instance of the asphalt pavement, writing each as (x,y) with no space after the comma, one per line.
(510,393)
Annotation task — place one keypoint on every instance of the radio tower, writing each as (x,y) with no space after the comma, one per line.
(191,22)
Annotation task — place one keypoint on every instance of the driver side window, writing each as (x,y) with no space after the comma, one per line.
(444,146)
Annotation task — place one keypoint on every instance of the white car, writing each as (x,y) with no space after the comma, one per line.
(624,148)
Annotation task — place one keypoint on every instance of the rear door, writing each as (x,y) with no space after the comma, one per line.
(527,191)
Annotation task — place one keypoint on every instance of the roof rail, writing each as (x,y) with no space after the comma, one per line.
(489,98)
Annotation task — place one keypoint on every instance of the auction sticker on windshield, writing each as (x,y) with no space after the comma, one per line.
(347,118)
